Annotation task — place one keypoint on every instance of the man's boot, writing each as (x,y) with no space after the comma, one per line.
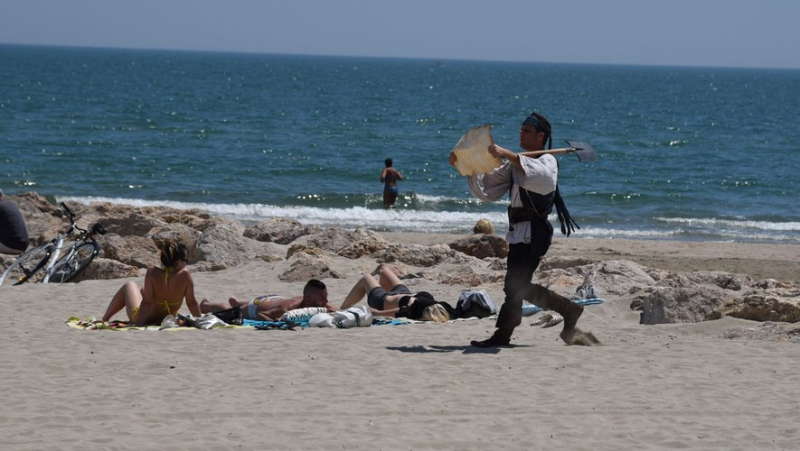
(571,311)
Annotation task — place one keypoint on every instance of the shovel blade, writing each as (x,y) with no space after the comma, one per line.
(583,151)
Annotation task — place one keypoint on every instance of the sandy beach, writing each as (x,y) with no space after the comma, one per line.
(418,386)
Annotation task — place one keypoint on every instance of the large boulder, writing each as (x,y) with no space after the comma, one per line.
(364,247)
(335,240)
(561,262)
(305,268)
(482,246)
(279,230)
(135,251)
(762,307)
(223,247)
(417,254)
(104,269)
(724,280)
(133,224)
(682,305)
(615,277)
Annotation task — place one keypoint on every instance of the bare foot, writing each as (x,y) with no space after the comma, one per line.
(579,338)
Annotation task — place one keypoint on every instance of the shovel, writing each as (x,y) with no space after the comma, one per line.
(583,151)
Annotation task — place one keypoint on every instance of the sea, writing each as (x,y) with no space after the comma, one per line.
(684,153)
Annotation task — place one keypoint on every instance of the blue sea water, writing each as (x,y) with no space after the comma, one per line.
(684,153)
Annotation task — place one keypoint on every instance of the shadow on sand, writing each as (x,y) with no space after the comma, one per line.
(464,349)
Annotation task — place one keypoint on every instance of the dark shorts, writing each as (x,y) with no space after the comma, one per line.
(376,297)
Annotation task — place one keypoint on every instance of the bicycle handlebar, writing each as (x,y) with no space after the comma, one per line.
(69,212)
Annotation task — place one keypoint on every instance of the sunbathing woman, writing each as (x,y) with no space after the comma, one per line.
(390,297)
(163,293)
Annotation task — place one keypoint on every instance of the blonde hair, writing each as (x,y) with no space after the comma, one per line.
(483,226)
(171,252)
(436,313)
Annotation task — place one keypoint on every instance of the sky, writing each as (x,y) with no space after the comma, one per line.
(715,33)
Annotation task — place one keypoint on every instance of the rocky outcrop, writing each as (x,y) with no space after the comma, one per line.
(223,247)
(417,254)
(682,305)
(305,268)
(279,230)
(103,268)
(350,244)
(762,307)
(482,246)
(136,251)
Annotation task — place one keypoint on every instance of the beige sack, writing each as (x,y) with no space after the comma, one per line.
(472,151)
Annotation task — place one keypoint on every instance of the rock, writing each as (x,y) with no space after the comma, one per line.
(300,250)
(104,269)
(483,226)
(134,224)
(762,307)
(482,246)
(616,277)
(135,251)
(306,268)
(222,247)
(335,240)
(682,305)
(560,280)
(279,230)
(417,254)
(724,280)
(559,262)
(471,279)
(365,247)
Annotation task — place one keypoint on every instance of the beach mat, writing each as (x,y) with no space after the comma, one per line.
(530,309)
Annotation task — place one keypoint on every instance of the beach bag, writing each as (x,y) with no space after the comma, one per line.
(321,320)
(477,304)
(358,316)
(302,314)
(232,316)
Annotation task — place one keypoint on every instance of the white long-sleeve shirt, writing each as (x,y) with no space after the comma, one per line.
(538,175)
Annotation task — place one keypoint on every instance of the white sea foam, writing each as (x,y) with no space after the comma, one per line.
(409,220)
(378,219)
(734,224)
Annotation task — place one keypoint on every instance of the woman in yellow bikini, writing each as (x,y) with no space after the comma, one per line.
(163,293)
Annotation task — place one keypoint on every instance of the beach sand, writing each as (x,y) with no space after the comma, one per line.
(417,386)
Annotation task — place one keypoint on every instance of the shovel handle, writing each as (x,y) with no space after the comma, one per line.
(536,153)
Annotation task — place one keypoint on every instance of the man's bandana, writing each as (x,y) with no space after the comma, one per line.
(534,122)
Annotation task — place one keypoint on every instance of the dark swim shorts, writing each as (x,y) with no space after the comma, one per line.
(377,295)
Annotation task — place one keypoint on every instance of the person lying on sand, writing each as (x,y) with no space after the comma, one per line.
(163,292)
(390,297)
(272,307)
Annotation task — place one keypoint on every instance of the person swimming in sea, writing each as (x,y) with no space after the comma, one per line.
(389,178)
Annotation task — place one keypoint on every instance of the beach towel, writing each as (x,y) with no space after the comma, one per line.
(530,309)
(75,322)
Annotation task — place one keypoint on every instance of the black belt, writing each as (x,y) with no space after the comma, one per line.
(522,214)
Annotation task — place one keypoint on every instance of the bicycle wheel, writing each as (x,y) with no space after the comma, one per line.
(70,265)
(28,267)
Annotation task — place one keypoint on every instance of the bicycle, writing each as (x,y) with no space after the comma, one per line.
(42,264)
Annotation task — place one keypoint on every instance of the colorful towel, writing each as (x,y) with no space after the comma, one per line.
(530,309)
(274,325)
(95,324)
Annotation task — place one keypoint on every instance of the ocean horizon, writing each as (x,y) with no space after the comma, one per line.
(684,153)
